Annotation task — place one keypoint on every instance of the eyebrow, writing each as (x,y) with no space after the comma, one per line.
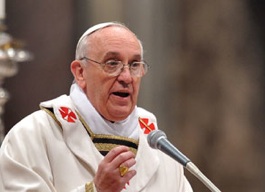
(111,54)
(117,54)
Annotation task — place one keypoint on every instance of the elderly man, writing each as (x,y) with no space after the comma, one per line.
(95,138)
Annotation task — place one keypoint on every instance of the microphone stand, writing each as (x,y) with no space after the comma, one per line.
(157,140)
(197,173)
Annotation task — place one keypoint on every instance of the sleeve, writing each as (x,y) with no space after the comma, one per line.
(24,161)
(18,170)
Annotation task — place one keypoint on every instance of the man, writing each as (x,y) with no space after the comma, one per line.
(95,138)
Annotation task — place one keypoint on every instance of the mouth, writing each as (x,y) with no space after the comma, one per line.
(121,94)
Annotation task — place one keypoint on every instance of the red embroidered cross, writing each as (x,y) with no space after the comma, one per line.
(68,114)
(144,124)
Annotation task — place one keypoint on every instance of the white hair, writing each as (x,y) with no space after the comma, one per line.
(83,43)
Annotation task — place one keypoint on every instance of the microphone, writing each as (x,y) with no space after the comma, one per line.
(157,139)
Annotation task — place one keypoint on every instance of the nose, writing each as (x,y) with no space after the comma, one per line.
(125,75)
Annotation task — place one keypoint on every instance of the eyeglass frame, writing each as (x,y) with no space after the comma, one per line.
(146,66)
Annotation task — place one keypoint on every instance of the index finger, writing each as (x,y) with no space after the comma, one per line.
(115,152)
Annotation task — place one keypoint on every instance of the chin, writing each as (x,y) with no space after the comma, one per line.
(120,115)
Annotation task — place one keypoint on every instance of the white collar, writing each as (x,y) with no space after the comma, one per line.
(128,127)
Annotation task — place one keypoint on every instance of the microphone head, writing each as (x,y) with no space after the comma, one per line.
(154,137)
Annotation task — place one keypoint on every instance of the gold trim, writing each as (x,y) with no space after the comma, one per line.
(99,146)
(92,135)
(51,114)
(109,146)
(102,136)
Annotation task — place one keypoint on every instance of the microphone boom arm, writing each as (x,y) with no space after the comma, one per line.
(197,173)
(157,139)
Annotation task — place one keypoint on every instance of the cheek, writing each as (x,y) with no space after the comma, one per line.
(93,82)
(99,91)
(136,88)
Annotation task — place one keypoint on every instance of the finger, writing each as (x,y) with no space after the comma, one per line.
(113,153)
(125,168)
(108,175)
(129,163)
(122,158)
(107,167)
(129,175)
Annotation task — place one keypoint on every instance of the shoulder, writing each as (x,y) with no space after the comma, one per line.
(30,121)
(144,113)
(30,134)
(31,125)
(39,123)
(59,101)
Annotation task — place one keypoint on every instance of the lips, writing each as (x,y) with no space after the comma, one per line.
(121,94)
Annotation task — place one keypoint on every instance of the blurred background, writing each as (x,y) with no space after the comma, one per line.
(206,84)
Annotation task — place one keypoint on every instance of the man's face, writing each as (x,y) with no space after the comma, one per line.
(113,97)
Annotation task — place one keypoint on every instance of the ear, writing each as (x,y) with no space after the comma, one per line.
(77,70)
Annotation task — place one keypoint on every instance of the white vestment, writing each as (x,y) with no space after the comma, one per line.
(51,150)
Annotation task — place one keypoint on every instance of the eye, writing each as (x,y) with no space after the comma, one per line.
(112,66)
(135,65)
(112,63)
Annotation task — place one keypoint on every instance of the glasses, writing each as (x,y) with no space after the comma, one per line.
(114,67)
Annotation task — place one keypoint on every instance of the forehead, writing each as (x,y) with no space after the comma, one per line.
(114,39)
